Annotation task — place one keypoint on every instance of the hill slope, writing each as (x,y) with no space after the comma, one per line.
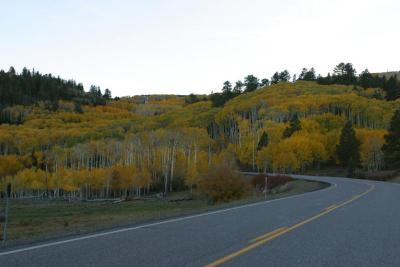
(163,143)
(33,88)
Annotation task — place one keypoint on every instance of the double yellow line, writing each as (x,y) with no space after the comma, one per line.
(258,241)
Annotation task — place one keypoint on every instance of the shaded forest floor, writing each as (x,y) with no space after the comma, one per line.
(38,220)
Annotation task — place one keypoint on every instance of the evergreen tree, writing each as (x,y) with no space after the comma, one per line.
(29,88)
(264,82)
(275,78)
(348,149)
(192,98)
(344,73)
(391,149)
(308,75)
(264,140)
(227,87)
(339,69)
(392,88)
(294,126)
(237,90)
(217,100)
(11,71)
(95,91)
(107,94)
(365,79)
(251,83)
(283,76)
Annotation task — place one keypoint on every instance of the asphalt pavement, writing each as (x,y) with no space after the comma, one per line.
(350,223)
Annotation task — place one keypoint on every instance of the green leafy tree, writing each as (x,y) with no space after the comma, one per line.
(294,126)
(348,149)
(391,149)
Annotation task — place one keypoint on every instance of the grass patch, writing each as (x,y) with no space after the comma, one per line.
(34,220)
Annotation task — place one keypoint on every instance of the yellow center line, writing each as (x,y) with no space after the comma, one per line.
(245,249)
(281,231)
(331,207)
(267,234)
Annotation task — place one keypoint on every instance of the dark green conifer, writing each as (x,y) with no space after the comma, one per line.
(295,125)
(264,140)
(348,149)
(391,149)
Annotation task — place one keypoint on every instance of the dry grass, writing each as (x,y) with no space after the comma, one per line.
(41,219)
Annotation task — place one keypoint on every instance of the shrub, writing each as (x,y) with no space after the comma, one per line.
(277,180)
(258,181)
(222,183)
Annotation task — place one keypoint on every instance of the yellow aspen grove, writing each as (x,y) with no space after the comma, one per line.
(192,177)
(132,146)
(372,157)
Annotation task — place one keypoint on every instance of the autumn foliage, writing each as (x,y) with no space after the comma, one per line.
(223,183)
(140,145)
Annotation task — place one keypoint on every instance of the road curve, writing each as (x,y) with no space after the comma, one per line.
(350,223)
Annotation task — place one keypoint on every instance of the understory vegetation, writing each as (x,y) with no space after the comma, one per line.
(38,219)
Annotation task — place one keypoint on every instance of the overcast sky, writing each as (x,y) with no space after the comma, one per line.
(184,46)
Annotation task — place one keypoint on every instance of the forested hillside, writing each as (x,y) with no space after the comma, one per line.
(135,145)
(34,88)
(322,111)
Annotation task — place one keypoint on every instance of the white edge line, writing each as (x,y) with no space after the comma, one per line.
(332,186)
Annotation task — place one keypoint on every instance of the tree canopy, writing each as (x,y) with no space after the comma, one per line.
(33,88)
(348,149)
(392,147)
(295,125)
(90,145)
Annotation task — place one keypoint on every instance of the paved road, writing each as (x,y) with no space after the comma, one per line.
(350,223)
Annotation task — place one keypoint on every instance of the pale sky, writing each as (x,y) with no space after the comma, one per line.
(183,46)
